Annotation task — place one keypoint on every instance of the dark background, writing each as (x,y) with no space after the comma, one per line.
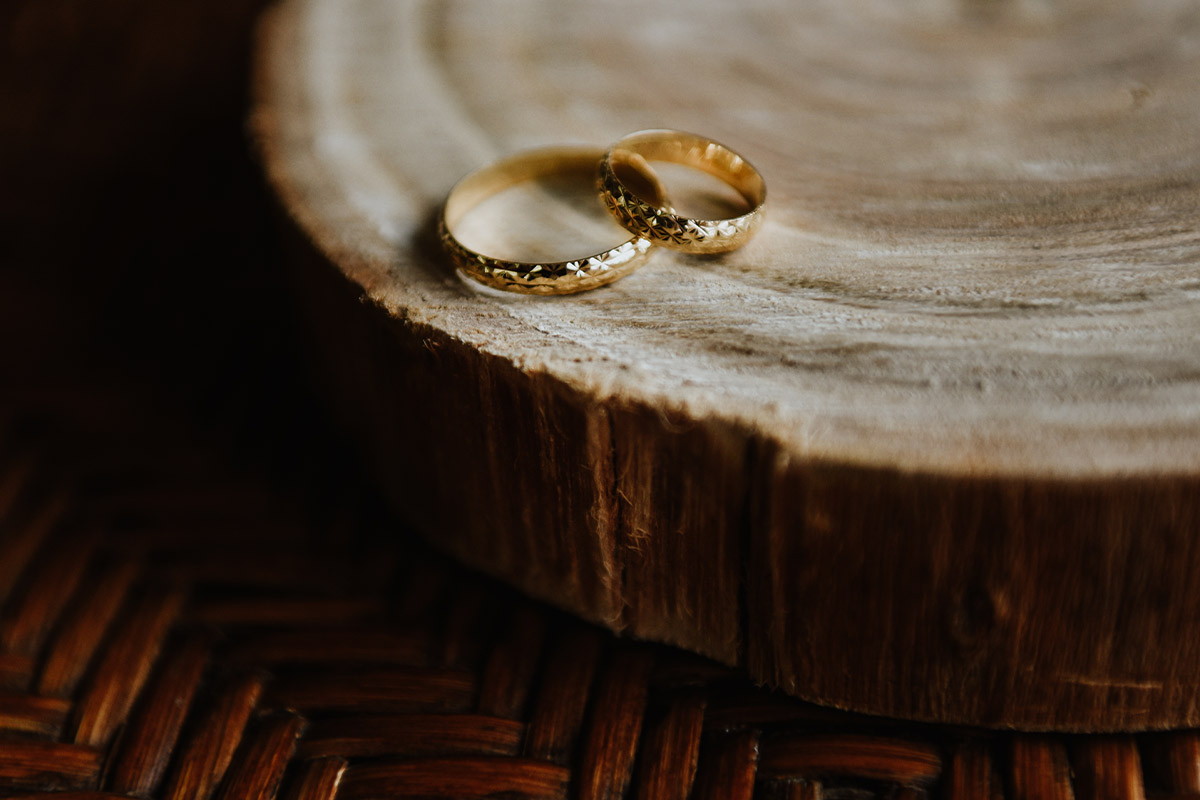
(137,244)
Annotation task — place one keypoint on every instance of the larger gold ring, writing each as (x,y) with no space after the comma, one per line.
(656,220)
(558,277)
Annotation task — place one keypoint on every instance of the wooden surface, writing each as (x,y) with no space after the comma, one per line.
(928,446)
(178,623)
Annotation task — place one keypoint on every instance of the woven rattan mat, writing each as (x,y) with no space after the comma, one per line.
(173,625)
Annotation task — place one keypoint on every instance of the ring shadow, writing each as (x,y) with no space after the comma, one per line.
(426,247)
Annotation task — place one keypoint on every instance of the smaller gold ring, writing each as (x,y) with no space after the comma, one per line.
(655,219)
(553,277)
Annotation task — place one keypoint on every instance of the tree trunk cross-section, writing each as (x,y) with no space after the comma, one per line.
(929,446)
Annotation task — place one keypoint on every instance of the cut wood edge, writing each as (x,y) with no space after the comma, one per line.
(974,644)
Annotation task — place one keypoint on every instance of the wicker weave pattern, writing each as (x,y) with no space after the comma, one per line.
(167,631)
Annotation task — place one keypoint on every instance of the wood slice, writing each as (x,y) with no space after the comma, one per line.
(929,446)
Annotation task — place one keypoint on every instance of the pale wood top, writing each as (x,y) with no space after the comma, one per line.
(981,255)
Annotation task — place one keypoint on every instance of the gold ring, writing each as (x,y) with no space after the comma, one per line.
(561,277)
(653,218)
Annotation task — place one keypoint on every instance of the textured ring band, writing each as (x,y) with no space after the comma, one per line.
(560,277)
(654,218)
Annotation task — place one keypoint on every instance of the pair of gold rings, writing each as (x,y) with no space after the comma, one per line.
(634,196)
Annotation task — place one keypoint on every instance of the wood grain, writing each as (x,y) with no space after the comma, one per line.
(671,752)
(1107,769)
(1040,770)
(154,729)
(599,715)
(1175,761)
(905,763)
(207,754)
(58,765)
(728,765)
(612,741)
(125,666)
(264,757)
(413,736)
(929,446)
(557,718)
(457,778)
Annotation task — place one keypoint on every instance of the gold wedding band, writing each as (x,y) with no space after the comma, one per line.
(560,277)
(655,219)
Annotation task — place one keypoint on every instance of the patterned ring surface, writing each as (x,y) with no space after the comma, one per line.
(654,218)
(546,277)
